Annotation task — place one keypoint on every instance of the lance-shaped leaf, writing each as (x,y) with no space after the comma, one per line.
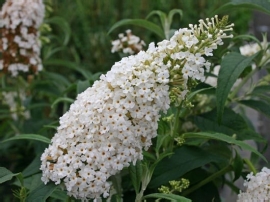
(67,64)
(6,175)
(82,86)
(62,24)
(171,197)
(135,172)
(237,165)
(185,159)
(232,66)
(232,123)
(62,99)
(41,193)
(260,5)
(28,137)
(224,138)
(139,22)
(258,105)
(165,20)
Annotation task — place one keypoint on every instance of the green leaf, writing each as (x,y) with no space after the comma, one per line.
(258,105)
(262,92)
(161,138)
(172,13)
(49,51)
(171,197)
(193,93)
(224,138)
(149,156)
(62,99)
(41,193)
(57,77)
(96,76)
(31,182)
(38,105)
(139,22)
(20,178)
(232,123)
(32,168)
(68,64)
(237,166)
(60,195)
(62,24)
(185,159)
(135,173)
(232,66)
(263,89)
(28,137)
(162,17)
(247,36)
(82,86)
(46,87)
(166,21)
(6,175)
(232,186)
(260,5)
(208,192)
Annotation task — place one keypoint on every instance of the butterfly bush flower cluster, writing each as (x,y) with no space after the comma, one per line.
(258,187)
(112,122)
(19,42)
(127,44)
(253,48)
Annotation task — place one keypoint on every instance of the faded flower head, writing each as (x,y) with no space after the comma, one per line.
(127,44)
(258,187)
(112,122)
(19,42)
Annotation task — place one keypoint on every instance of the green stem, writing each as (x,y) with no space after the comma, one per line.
(176,119)
(250,165)
(209,179)
(147,173)
(174,128)
(242,83)
(176,122)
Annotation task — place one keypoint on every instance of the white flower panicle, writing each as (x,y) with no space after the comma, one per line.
(15,100)
(19,42)
(249,49)
(108,126)
(253,48)
(112,122)
(127,44)
(258,187)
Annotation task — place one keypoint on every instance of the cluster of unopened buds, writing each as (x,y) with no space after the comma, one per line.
(258,187)
(112,122)
(19,41)
(127,44)
(175,186)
